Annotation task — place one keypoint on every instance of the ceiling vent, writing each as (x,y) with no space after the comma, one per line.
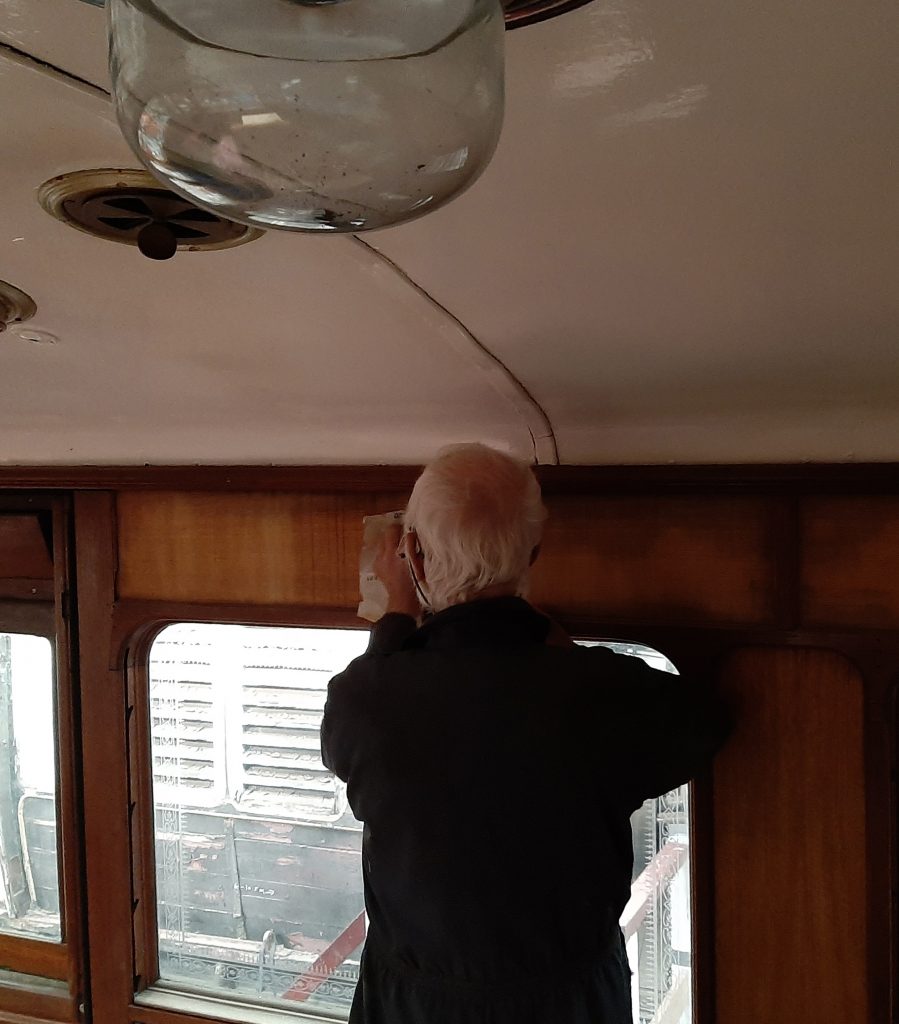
(130,206)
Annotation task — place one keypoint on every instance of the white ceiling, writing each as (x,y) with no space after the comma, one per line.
(685,250)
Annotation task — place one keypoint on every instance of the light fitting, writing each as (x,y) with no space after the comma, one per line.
(310,115)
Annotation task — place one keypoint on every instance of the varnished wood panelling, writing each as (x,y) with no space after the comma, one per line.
(23,550)
(244,548)
(850,562)
(673,559)
(789,813)
(677,559)
(31,956)
(105,766)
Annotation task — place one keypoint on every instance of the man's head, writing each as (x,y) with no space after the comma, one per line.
(478,517)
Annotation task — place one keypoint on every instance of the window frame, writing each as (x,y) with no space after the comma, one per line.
(130,630)
(44,978)
(167,998)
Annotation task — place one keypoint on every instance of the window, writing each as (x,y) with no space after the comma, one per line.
(258,881)
(258,886)
(656,921)
(29,872)
(40,846)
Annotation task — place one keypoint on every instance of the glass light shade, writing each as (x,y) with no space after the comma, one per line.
(307,115)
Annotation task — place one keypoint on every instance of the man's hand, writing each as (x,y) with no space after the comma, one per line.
(393,571)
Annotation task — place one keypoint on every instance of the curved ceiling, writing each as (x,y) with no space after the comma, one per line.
(684,250)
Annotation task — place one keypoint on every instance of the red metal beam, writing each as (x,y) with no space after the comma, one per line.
(349,939)
(664,866)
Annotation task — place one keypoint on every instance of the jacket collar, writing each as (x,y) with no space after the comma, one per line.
(495,621)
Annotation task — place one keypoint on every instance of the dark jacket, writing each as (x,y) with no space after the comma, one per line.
(495,776)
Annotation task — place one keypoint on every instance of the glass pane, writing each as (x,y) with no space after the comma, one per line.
(29,875)
(656,921)
(259,889)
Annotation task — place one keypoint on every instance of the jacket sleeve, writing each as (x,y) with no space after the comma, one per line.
(345,717)
(669,727)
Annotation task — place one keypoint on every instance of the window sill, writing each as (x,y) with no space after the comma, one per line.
(26,997)
(172,1000)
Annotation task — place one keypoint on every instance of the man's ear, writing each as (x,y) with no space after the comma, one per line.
(535,554)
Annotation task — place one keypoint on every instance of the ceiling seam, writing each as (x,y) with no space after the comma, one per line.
(498,374)
(17,56)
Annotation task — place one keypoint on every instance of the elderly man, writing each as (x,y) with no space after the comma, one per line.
(495,766)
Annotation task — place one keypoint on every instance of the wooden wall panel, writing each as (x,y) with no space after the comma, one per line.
(244,548)
(23,550)
(676,560)
(850,562)
(789,814)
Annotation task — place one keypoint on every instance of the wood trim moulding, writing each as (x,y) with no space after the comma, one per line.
(798,478)
(18,1006)
(37,617)
(68,725)
(25,590)
(40,1016)
(105,796)
(31,999)
(34,957)
(310,479)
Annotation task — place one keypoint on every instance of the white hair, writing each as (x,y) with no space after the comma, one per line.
(478,516)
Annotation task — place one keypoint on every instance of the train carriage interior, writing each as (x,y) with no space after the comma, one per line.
(672,289)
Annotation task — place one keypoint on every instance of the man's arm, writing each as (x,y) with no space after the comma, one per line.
(669,726)
(345,716)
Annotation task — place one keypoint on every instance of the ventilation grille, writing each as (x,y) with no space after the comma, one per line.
(238,727)
(188,749)
(118,205)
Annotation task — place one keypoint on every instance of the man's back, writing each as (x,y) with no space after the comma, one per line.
(496,775)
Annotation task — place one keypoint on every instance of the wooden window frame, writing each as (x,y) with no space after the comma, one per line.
(34,965)
(136,644)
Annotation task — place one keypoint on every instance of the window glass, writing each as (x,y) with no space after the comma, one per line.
(29,875)
(258,882)
(656,921)
(259,889)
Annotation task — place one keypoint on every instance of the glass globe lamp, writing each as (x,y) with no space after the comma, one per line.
(310,115)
